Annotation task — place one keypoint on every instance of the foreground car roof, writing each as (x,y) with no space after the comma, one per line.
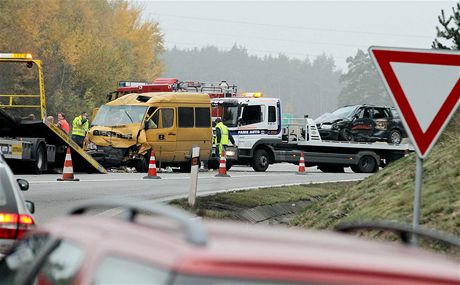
(246,251)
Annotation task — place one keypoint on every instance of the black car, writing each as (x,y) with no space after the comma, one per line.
(362,123)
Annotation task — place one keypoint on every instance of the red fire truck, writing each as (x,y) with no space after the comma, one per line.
(215,90)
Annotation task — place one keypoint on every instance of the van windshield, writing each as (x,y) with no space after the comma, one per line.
(119,115)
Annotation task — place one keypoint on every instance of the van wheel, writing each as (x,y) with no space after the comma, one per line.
(39,164)
(185,167)
(142,164)
(367,164)
(260,160)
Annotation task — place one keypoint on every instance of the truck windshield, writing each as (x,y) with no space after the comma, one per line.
(230,116)
(119,115)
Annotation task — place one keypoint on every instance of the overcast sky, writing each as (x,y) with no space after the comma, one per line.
(298,29)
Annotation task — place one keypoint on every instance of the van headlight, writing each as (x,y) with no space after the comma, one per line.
(91,146)
(230,153)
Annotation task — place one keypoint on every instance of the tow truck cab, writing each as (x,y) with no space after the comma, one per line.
(252,121)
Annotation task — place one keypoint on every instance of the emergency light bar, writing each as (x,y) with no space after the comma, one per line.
(16,55)
(253,94)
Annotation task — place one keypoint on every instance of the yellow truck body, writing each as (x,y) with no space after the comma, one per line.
(171,123)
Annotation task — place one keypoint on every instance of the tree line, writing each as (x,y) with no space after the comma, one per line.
(306,87)
(85,46)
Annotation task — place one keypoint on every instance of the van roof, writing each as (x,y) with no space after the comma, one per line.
(160,97)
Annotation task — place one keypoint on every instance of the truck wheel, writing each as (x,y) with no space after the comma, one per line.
(39,164)
(355,168)
(331,168)
(260,160)
(367,164)
(395,137)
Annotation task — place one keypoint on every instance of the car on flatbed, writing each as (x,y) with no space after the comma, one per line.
(15,214)
(176,248)
(366,123)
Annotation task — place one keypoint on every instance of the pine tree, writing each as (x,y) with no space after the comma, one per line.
(361,84)
(448,35)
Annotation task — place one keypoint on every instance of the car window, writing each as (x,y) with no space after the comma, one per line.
(19,261)
(364,113)
(205,280)
(119,270)
(2,189)
(345,112)
(61,265)
(380,113)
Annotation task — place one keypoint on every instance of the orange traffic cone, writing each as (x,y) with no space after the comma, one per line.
(301,164)
(152,173)
(67,172)
(222,166)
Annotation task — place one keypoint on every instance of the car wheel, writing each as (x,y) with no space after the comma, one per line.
(395,137)
(39,164)
(367,164)
(260,160)
(346,135)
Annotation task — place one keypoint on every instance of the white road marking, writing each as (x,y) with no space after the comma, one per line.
(164,178)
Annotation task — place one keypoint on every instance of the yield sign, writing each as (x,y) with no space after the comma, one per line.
(425,87)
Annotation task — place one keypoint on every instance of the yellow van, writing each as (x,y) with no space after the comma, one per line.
(171,123)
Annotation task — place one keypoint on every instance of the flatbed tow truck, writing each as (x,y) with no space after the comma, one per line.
(28,144)
(261,139)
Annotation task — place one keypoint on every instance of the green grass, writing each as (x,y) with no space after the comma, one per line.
(224,205)
(389,194)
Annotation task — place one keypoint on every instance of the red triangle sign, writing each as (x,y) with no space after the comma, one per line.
(425,87)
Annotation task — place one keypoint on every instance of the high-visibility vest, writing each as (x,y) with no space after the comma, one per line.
(223,133)
(78,128)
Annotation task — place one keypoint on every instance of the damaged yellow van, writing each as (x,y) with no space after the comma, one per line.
(171,123)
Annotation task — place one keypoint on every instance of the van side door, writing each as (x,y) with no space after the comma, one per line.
(161,133)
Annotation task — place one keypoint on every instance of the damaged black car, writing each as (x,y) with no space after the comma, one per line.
(365,123)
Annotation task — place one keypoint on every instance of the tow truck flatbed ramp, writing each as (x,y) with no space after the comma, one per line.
(82,162)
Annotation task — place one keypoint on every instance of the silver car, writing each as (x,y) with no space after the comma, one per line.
(15,213)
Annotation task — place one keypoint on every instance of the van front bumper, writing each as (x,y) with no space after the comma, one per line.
(109,156)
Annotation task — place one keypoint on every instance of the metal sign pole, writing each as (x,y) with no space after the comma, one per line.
(417,197)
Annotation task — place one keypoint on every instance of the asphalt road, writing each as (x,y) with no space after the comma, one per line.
(53,198)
